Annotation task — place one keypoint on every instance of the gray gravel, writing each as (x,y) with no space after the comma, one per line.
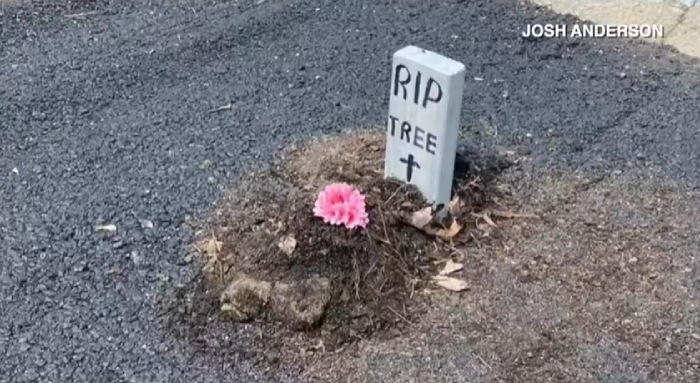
(105,119)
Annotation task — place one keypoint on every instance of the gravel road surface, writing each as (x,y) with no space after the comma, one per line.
(111,117)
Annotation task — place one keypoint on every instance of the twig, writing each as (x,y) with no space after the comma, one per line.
(394,194)
(384,241)
(221,272)
(371,268)
(476,240)
(386,235)
(379,293)
(484,362)
(356,268)
(413,287)
(402,317)
(401,260)
(217,260)
(82,14)
(510,215)
(228,106)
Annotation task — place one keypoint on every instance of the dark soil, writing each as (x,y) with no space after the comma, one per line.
(377,274)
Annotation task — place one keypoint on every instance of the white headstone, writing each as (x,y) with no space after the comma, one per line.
(423,125)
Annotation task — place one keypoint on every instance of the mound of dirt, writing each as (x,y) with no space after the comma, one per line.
(269,260)
(600,286)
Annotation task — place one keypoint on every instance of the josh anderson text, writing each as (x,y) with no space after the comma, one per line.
(591,30)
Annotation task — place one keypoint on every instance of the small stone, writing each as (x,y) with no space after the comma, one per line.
(206,164)
(136,258)
(160,277)
(301,305)
(245,298)
(106,228)
(39,115)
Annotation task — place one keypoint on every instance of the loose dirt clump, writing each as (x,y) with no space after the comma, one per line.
(270,261)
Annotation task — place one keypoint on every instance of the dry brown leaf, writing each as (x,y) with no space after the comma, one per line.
(106,228)
(455,206)
(451,267)
(210,266)
(440,260)
(287,245)
(211,246)
(509,214)
(452,284)
(422,217)
(448,234)
(488,219)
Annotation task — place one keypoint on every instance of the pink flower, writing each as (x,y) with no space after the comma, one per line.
(341,204)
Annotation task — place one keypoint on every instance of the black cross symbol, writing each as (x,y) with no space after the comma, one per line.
(410,163)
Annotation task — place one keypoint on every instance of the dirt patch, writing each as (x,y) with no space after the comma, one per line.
(285,270)
(603,288)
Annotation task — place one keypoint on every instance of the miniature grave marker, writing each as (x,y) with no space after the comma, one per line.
(424,112)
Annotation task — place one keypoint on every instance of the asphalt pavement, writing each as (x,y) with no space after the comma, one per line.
(109,114)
